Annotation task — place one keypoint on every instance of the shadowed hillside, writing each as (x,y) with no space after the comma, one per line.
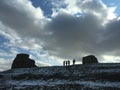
(78,77)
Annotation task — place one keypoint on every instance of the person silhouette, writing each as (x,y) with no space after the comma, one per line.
(73,61)
(63,63)
(68,62)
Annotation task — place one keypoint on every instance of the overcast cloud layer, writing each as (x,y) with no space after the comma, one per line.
(76,28)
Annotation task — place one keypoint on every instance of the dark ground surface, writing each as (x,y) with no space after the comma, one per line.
(79,77)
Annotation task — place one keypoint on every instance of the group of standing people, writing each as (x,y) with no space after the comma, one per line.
(67,63)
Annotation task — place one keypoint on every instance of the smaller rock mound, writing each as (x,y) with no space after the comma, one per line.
(23,61)
(89,59)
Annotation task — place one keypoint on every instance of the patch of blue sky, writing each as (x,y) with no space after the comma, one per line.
(3,39)
(42,52)
(30,52)
(6,57)
(4,47)
(21,50)
(5,53)
(113,3)
(45,5)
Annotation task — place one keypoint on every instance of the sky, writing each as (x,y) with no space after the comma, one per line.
(52,31)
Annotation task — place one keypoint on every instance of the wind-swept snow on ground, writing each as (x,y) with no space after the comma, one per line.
(78,77)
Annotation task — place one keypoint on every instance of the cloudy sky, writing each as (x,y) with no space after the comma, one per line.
(55,30)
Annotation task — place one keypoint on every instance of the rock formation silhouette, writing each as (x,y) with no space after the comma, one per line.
(89,59)
(23,61)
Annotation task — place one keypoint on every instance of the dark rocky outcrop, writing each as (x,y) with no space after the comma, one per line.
(89,59)
(23,61)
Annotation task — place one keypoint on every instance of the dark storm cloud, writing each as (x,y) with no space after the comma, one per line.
(74,35)
(77,36)
(111,35)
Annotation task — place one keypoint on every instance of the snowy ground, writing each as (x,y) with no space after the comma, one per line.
(78,77)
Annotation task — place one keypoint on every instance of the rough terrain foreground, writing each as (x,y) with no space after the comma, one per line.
(78,77)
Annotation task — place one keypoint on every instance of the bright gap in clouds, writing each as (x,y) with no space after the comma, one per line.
(115,3)
(52,31)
